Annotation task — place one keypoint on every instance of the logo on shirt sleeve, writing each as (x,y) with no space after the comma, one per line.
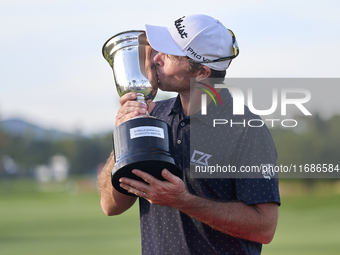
(268,171)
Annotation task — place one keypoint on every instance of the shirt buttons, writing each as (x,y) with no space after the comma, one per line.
(179,141)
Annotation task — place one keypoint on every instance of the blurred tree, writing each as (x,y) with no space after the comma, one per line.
(318,142)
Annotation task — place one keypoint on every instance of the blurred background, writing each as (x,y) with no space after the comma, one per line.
(58,104)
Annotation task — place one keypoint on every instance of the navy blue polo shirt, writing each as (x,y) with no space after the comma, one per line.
(166,230)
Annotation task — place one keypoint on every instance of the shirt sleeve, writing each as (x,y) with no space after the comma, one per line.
(256,153)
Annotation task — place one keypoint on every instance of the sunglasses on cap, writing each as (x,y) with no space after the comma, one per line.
(236,51)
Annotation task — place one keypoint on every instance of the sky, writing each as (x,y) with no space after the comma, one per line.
(53,73)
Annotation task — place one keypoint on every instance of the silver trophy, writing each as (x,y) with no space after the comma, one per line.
(143,142)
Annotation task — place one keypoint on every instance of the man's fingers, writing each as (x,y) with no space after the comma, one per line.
(132,185)
(169,176)
(148,178)
(129,96)
(133,111)
(130,106)
(121,119)
(133,190)
(152,180)
(129,110)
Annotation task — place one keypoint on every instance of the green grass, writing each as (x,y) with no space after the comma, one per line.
(308,224)
(62,221)
(33,222)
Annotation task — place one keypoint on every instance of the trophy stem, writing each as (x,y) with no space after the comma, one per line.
(141,98)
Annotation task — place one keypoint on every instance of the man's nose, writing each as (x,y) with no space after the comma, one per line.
(158,58)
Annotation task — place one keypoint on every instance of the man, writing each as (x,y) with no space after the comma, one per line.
(197,215)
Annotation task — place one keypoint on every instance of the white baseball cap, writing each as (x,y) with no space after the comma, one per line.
(200,37)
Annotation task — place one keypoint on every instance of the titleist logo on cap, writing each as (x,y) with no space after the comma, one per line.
(180,28)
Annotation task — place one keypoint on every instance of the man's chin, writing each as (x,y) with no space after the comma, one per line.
(164,89)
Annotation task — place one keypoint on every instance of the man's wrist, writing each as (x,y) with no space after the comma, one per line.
(186,202)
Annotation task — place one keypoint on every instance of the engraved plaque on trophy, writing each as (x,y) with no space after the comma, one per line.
(143,142)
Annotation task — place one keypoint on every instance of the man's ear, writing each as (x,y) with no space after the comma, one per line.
(203,73)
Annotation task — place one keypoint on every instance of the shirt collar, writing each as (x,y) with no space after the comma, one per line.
(176,107)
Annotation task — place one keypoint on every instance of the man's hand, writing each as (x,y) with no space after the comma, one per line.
(130,108)
(171,192)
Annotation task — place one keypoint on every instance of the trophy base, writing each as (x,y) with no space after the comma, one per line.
(151,164)
(146,144)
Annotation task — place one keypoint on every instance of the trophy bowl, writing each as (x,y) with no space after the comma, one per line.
(143,142)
